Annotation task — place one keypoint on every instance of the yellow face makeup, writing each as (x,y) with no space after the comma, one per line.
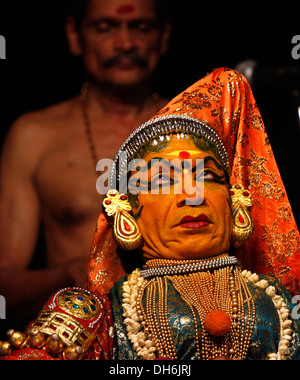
(186,212)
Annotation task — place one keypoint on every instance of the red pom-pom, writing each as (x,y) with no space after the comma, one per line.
(217,323)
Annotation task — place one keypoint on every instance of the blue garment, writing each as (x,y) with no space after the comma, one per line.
(266,333)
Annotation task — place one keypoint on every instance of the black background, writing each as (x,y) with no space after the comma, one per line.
(39,70)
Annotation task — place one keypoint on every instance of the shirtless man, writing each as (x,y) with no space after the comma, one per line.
(47,171)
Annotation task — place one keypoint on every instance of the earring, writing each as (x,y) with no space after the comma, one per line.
(126,232)
(243,225)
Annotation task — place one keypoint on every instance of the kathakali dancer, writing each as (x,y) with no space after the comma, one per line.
(204,207)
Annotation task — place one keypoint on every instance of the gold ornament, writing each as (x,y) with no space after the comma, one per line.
(16,338)
(66,327)
(5,348)
(79,303)
(72,352)
(54,345)
(243,225)
(36,338)
(125,232)
(71,317)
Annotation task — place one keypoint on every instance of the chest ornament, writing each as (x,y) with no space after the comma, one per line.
(217,299)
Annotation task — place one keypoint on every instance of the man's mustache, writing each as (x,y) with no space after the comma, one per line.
(135,58)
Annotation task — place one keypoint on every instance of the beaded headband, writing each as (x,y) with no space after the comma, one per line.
(157,128)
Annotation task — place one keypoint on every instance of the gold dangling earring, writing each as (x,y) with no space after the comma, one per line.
(243,225)
(126,232)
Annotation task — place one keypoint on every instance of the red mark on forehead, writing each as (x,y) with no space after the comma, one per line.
(125,9)
(184,155)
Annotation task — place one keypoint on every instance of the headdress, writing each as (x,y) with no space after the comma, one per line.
(221,109)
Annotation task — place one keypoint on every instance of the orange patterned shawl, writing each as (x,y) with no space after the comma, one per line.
(223,100)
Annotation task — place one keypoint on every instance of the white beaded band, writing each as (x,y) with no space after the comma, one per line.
(190,267)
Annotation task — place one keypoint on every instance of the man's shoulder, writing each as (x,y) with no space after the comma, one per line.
(31,135)
(39,120)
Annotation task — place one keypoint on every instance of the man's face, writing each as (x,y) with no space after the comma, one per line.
(120,41)
(171,225)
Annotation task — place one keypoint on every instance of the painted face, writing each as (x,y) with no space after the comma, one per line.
(120,41)
(194,220)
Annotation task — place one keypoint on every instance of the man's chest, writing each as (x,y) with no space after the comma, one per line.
(66,183)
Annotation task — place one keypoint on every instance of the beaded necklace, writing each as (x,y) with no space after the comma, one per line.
(220,302)
(87,124)
(163,267)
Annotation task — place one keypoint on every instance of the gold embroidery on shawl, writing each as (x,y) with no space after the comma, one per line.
(257,167)
(280,246)
(101,276)
(244,140)
(97,254)
(235,121)
(285,213)
(253,120)
(239,169)
(269,189)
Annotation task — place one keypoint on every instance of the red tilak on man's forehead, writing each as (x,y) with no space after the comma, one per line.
(125,8)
